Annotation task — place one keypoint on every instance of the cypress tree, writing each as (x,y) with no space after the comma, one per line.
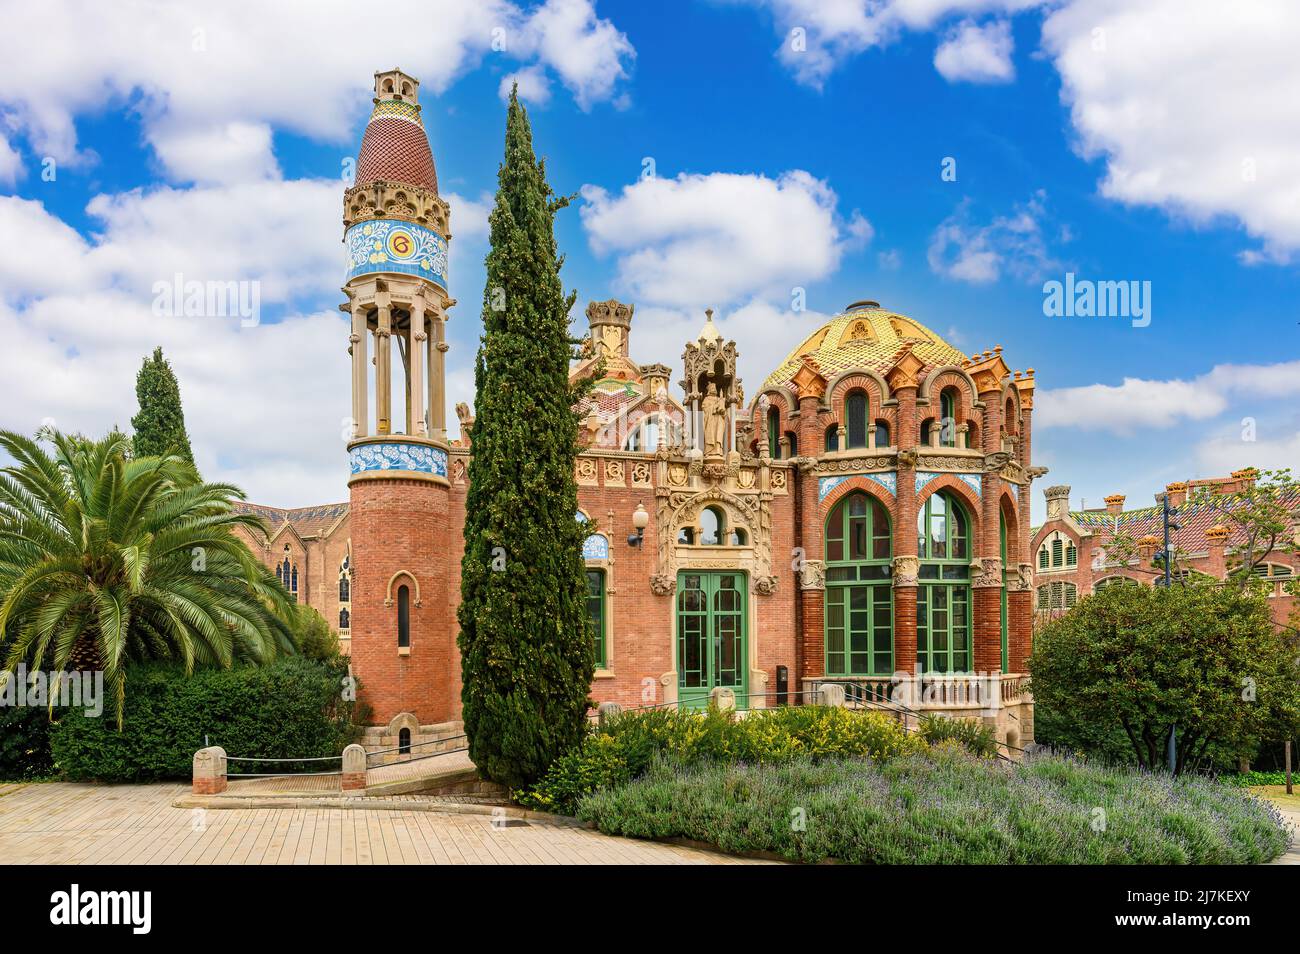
(160,423)
(525,639)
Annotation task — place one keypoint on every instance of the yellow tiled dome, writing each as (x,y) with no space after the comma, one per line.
(865,336)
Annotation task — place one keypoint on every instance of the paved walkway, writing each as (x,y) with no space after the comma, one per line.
(71,823)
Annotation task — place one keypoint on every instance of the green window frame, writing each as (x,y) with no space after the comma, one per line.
(859,596)
(774,433)
(596,613)
(947,418)
(943,597)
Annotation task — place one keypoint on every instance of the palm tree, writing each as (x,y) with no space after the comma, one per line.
(106,560)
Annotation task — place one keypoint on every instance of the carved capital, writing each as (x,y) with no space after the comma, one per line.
(906,569)
(988,572)
(812,576)
(661,584)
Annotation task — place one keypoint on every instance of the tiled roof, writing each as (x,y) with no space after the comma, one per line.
(866,338)
(395,147)
(1193,520)
(307,521)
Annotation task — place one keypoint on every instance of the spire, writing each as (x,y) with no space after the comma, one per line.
(395,147)
(710,331)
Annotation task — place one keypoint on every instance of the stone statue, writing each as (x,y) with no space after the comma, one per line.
(715,423)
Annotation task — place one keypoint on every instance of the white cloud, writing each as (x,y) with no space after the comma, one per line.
(817,36)
(11,164)
(1225,453)
(1013,244)
(1183,100)
(534,87)
(977,54)
(1140,403)
(720,238)
(208,80)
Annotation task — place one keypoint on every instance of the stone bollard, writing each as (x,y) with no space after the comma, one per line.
(608,711)
(209,771)
(831,694)
(722,699)
(354,768)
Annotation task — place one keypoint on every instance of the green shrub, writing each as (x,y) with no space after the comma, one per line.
(1248,779)
(943,807)
(292,708)
(625,746)
(25,743)
(313,636)
(975,737)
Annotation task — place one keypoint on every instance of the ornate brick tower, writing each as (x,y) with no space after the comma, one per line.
(396,234)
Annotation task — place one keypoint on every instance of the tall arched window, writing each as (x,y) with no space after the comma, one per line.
(833,438)
(774,433)
(943,602)
(293,586)
(859,607)
(345,589)
(403,616)
(948,417)
(855,419)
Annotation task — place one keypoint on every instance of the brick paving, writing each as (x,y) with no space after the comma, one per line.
(73,823)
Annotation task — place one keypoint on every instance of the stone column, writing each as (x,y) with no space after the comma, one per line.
(417,350)
(383,367)
(812,580)
(438,376)
(360,371)
(987,582)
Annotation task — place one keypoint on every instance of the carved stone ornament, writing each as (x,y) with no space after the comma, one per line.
(745,478)
(681,508)
(812,576)
(855,465)
(765,585)
(663,584)
(1023,580)
(907,458)
(585,470)
(641,472)
(906,569)
(614,472)
(677,474)
(988,572)
(779,479)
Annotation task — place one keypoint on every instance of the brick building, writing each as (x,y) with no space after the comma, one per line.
(861,519)
(1075,551)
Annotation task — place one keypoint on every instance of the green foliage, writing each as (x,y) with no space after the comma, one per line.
(975,737)
(25,743)
(525,638)
(1137,660)
(106,560)
(292,708)
(313,636)
(625,746)
(943,807)
(1249,779)
(160,423)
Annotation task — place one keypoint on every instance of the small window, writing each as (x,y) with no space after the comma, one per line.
(1058,552)
(882,434)
(1042,558)
(792,439)
(345,590)
(404,741)
(403,617)
(712,527)
(948,418)
(1071,555)
(833,438)
(738,538)
(686,536)
(345,619)
(774,433)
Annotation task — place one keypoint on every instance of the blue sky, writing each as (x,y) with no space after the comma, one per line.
(794,145)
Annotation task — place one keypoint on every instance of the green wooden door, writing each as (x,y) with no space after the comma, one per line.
(710,636)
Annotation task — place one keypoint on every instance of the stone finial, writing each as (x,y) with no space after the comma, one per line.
(1058,501)
(1218,533)
(397,85)
(209,771)
(722,699)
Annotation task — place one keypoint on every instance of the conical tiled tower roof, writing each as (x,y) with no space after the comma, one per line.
(395,147)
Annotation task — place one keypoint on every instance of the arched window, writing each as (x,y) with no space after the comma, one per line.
(403,616)
(855,419)
(833,438)
(882,434)
(1057,595)
(943,601)
(792,439)
(713,525)
(774,433)
(1107,582)
(645,435)
(686,536)
(1009,417)
(1057,551)
(738,537)
(345,619)
(948,417)
(859,607)
(345,589)
(293,585)
(403,741)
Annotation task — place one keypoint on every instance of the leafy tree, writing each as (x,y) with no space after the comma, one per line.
(160,423)
(524,635)
(313,635)
(106,560)
(1203,657)
(1262,517)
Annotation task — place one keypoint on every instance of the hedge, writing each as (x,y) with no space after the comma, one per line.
(293,707)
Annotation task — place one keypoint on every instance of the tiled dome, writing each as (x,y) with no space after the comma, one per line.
(395,147)
(865,336)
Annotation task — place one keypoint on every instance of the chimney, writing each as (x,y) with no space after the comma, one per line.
(1245,478)
(1177,492)
(1115,504)
(1058,501)
(1147,547)
(1216,540)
